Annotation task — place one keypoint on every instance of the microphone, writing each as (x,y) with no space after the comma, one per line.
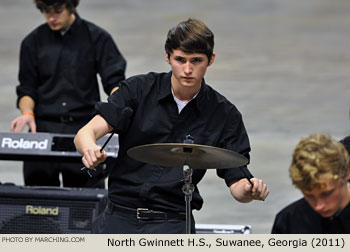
(124,123)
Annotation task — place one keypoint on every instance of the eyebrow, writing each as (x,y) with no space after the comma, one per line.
(189,57)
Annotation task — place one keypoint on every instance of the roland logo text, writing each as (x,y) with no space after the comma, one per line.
(23,144)
(41,210)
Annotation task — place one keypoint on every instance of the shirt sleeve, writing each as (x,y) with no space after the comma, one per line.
(112,111)
(28,73)
(235,138)
(110,62)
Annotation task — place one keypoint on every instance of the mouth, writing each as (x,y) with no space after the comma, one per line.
(53,24)
(326,213)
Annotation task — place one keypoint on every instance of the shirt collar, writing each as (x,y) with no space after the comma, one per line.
(165,86)
(201,99)
(73,27)
(64,31)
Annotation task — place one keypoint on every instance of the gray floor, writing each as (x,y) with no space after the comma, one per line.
(284,64)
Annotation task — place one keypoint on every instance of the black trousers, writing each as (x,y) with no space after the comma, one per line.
(112,222)
(46,173)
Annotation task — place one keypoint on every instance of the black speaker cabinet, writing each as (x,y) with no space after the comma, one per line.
(49,210)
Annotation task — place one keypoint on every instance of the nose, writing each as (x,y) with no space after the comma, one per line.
(188,68)
(320,204)
(51,18)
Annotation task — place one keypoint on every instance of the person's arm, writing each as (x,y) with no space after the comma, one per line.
(85,141)
(113,90)
(27,89)
(111,64)
(27,117)
(244,192)
(235,138)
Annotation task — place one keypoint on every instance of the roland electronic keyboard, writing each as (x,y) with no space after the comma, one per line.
(47,146)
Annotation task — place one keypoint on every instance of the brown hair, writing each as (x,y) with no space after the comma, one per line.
(316,155)
(191,36)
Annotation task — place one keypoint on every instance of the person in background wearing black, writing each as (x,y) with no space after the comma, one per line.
(346,142)
(59,63)
(165,108)
(320,170)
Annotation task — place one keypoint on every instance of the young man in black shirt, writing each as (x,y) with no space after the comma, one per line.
(59,63)
(320,169)
(166,108)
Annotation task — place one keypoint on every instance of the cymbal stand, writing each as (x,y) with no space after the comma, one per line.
(188,189)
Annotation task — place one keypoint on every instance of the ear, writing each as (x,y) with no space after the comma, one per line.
(211,61)
(348,174)
(167,57)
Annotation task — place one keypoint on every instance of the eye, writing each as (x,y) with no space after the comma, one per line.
(309,197)
(327,194)
(45,10)
(59,10)
(196,60)
(180,59)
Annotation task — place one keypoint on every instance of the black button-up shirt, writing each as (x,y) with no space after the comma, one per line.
(210,118)
(60,72)
(300,218)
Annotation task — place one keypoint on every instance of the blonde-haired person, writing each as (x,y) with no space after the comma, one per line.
(320,170)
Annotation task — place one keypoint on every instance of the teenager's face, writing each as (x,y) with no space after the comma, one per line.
(188,69)
(331,198)
(58,18)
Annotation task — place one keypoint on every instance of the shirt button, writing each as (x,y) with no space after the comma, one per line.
(64,104)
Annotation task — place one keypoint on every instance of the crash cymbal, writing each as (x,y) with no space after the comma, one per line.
(195,155)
